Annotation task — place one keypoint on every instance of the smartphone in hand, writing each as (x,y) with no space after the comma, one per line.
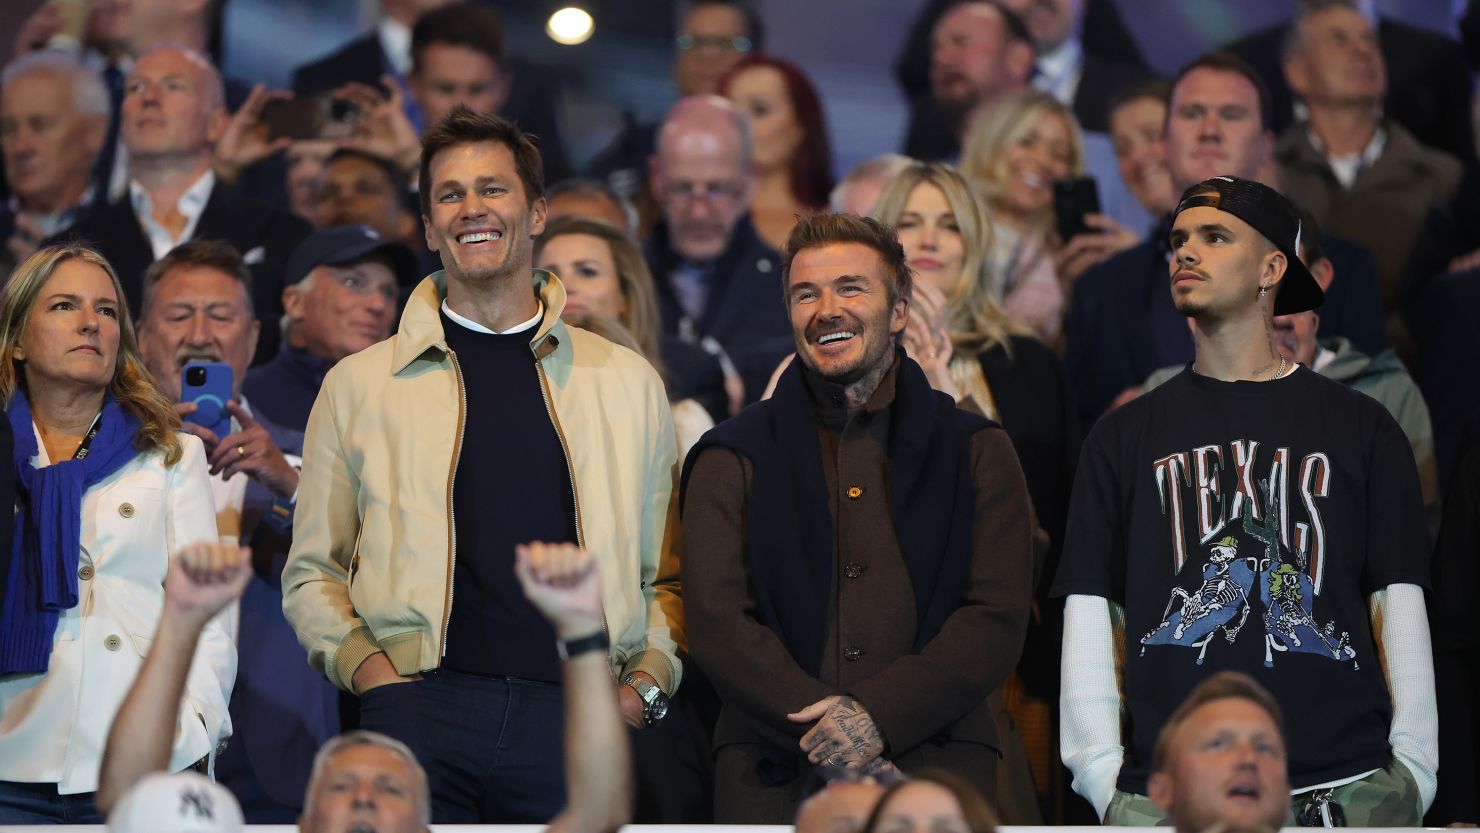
(208,385)
(317,116)
(1072,199)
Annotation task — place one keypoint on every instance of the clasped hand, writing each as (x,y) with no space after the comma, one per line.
(844,735)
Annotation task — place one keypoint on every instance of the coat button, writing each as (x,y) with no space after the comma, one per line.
(852,570)
(852,654)
(126,510)
(855,492)
(112,642)
(86,572)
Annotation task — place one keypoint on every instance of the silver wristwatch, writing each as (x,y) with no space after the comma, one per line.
(654,701)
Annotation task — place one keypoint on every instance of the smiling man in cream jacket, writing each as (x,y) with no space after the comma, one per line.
(483,423)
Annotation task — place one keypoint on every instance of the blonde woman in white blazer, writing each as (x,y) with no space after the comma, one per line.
(107,487)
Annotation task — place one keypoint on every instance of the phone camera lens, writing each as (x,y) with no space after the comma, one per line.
(195,376)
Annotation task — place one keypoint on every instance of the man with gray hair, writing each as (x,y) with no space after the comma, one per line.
(717,281)
(53,120)
(173,114)
(858,192)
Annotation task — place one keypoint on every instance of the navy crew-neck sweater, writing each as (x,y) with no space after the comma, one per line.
(512,486)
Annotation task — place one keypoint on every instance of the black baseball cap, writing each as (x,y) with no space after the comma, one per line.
(1269,213)
(347,244)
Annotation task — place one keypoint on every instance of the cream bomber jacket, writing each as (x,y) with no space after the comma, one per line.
(374,536)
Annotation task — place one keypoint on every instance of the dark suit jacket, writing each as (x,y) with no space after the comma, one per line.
(1112,62)
(1443,326)
(1428,83)
(249,226)
(1036,407)
(744,311)
(532,102)
(1451,602)
(281,709)
(1110,342)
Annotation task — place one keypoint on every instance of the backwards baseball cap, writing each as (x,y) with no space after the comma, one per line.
(177,802)
(1270,214)
(347,244)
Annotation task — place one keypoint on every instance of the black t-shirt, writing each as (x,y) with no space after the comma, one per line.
(512,486)
(1242,525)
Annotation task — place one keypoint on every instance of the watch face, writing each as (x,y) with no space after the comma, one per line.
(658,709)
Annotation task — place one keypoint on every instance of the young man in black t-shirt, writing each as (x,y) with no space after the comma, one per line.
(1249,515)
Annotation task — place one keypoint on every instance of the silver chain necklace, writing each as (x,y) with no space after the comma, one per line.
(1278,374)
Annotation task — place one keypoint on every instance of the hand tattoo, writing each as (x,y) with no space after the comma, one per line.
(845,736)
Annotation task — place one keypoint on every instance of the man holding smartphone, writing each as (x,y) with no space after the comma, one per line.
(197,308)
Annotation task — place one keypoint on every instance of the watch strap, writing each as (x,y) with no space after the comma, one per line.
(646,690)
(568,648)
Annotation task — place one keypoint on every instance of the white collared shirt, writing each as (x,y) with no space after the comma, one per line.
(479,328)
(1348,166)
(1059,71)
(192,204)
(395,42)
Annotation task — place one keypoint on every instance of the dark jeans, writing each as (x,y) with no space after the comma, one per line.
(491,746)
(39,804)
(673,776)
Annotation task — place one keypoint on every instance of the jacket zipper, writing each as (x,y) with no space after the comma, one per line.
(575,498)
(462,409)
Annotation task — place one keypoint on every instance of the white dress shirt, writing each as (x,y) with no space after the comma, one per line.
(1058,72)
(395,42)
(192,204)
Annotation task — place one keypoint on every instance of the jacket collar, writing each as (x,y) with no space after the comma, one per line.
(663,258)
(421,321)
(1401,152)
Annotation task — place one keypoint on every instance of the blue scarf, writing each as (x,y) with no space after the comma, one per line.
(48,529)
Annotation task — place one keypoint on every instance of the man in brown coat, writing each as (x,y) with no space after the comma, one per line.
(857,559)
(1360,175)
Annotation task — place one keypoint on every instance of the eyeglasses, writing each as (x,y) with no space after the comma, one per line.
(713,192)
(717,43)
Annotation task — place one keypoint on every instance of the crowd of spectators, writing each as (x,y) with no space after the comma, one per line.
(858,482)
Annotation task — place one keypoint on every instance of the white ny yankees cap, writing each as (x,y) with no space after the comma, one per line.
(179,802)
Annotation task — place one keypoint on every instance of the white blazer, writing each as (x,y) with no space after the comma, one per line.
(53,726)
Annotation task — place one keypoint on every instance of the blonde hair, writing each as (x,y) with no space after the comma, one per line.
(975,316)
(1008,122)
(130,385)
(641,319)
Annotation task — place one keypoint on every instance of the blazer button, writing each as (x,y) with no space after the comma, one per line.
(855,492)
(86,572)
(852,653)
(112,642)
(126,510)
(852,570)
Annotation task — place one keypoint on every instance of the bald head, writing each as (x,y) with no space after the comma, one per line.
(705,120)
(173,107)
(840,808)
(702,174)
